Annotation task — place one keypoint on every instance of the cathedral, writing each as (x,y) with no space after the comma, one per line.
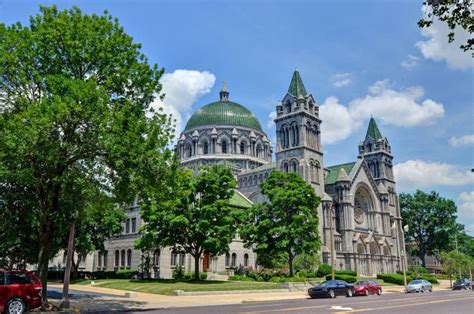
(359,211)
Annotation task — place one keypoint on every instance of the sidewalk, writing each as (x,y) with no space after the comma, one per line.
(144,301)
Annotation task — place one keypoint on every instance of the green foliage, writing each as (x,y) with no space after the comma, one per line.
(192,213)
(453,262)
(306,262)
(241,278)
(347,278)
(287,279)
(178,272)
(287,225)
(74,97)
(125,274)
(431,222)
(416,271)
(393,278)
(346,272)
(190,276)
(455,13)
(323,270)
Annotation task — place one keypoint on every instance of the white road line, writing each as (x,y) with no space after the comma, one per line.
(341,308)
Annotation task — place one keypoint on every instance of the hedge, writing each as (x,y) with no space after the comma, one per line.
(398,279)
(346,272)
(241,278)
(323,270)
(348,278)
(287,279)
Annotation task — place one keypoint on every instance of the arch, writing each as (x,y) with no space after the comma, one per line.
(129,258)
(188,150)
(246,260)
(224,146)
(117,258)
(363,204)
(294,165)
(156,258)
(242,148)
(386,251)
(122,258)
(227,259)
(360,248)
(205,147)
(234,260)
(259,150)
(374,248)
(283,131)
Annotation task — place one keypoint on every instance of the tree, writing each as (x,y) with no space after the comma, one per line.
(453,262)
(455,13)
(306,262)
(430,220)
(286,225)
(75,91)
(192,214)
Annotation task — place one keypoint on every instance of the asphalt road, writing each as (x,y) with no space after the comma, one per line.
(451,302)
(57,293)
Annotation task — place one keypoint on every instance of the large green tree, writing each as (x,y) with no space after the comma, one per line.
(192,213)
(455,13)
(287,224)
(453,262)
(75,95)
(430,221)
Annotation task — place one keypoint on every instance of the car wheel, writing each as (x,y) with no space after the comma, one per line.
(332,294)
(379,291)
(431,289)
(367,292)
(350,293)
(15,306)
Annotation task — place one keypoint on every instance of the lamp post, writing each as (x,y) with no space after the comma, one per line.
(331,234)
(404,261)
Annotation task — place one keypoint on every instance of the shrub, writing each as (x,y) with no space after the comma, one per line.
(287,279)
(249,272)
(125,274)
(178,273)
(323,270)
(348,278)
(241,278)
(346,272)
(393,278)
(190,276)
(430,278)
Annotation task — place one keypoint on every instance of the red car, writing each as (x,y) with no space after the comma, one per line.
(367,287)
(20,291)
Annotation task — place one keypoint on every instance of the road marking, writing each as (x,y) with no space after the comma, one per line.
(341,308)
(403,305)
(261,305)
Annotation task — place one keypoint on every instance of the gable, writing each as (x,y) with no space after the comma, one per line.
(333,172)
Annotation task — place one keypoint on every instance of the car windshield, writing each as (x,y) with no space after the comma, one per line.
(460,281)
(327,284)
(415,282)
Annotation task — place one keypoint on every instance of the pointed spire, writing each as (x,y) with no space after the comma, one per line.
(342,175)
(224,93)
(296,86)
(373,130)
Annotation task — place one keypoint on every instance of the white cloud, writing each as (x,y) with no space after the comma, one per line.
(466,206)
(437,47)
(415,174)
(182,89)
(410,62)
(461,141)
(400,108)
(393,107)
(271,117)
(338,123)
(341,79)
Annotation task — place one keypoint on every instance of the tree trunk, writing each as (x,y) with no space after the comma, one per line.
(422,256)
(197,258)
(43,259)
(290,263)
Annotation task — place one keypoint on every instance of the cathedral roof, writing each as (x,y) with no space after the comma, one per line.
(373,130)
(296,86)
(224,112)
(239,200)
(333,173)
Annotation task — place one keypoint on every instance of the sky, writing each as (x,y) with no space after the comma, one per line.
(357,58)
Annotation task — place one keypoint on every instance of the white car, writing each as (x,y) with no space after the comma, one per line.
(419,285)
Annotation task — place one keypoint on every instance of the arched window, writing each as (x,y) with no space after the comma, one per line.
(117,258)
(294,166)
(104,255)
(285,167)
(227,259)
(181,259)
(189,150)
(259,151)
(99,259)
(122,258)
(234,259)
(246,260)
(205,148)
(242,148)
(224,147)
(174,258)
(156,258)
(129,258)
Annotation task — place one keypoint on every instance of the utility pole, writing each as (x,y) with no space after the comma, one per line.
(64,304)
(457,251)
(331,233)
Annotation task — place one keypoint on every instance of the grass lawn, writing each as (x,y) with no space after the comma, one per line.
(166,287)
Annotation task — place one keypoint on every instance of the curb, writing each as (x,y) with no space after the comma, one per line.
(181,293)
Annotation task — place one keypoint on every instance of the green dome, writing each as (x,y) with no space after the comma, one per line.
(223,113)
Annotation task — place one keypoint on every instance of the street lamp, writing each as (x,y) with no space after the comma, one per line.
(331,234)
(404,260)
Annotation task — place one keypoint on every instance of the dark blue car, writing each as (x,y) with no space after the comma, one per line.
(331,289)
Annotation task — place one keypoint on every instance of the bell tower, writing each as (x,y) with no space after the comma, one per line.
(298,147)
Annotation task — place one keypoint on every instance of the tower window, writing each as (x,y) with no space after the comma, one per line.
(205,149)
(224,147)
(242,148)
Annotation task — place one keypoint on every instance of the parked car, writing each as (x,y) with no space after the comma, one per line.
(20,291)
(419,285)
(367,287)
(331,288)
(462,284)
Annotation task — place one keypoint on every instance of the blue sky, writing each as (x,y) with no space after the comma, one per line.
(357,58)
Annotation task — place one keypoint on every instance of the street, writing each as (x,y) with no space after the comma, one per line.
(452,302)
